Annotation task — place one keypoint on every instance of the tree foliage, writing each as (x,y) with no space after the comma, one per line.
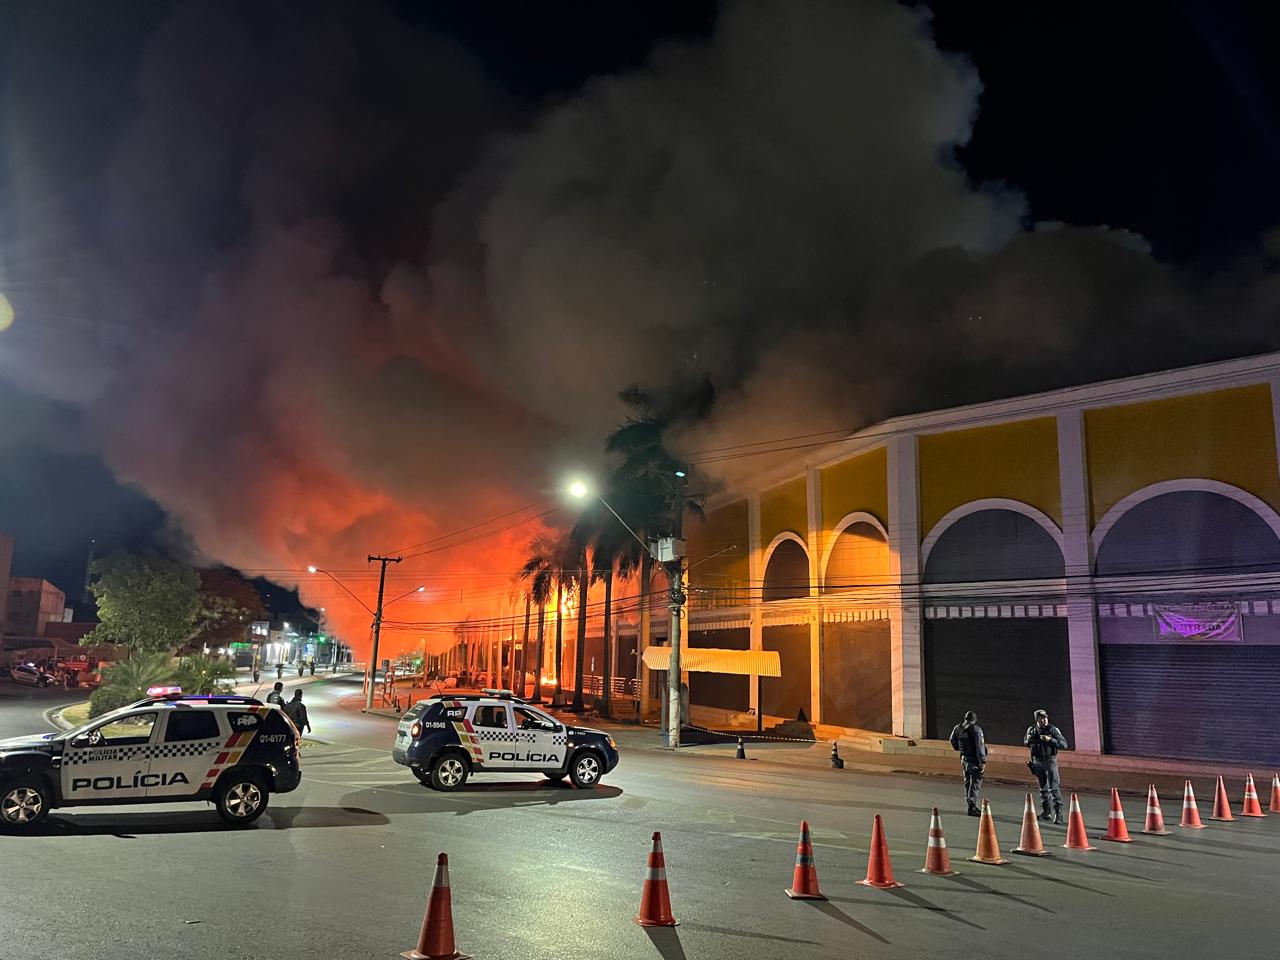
(200,674)
(229,604)
(146,602)
(129,680)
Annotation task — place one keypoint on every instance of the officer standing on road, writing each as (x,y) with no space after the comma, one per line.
(276,695)
(296,711)
(1045,740)
(966,737)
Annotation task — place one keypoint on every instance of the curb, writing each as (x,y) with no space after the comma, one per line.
(53,716)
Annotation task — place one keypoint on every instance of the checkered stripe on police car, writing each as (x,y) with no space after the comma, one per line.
(189,748)
(493,734)
(559,741)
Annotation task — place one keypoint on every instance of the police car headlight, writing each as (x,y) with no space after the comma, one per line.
(612,743)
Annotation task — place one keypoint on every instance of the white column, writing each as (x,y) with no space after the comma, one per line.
(813,495)
(1082,624)
(755,577)
(907,609)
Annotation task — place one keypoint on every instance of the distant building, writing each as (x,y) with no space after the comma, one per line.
(32,605)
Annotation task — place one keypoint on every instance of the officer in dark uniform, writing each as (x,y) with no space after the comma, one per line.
(967,737)
(1045,740)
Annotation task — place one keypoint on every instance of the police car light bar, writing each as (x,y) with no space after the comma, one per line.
(163,691)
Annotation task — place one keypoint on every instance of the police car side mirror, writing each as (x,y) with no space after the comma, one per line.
(80,741)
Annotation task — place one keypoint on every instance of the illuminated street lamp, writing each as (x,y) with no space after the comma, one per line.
(670,553)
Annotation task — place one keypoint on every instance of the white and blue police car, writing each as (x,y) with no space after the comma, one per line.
(446,739)
(231,751)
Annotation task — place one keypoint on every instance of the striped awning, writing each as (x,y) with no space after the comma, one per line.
(763,663)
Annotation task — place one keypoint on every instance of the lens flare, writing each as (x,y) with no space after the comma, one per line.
(6,313)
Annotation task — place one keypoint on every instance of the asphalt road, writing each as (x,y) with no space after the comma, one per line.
(22,708)
(340,869)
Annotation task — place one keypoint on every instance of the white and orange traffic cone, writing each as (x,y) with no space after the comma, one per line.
(988,845)
(435,941)
(1190,812)
(936,858)
(655,901)
(879,866)
(1154,824)
(1275,793)
(1221,805)
(1030,843)
(1252,807)
(804,881)
(1077,836)
(1117,829)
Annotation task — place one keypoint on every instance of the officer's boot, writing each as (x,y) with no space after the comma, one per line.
(1057,812)
(1045,815)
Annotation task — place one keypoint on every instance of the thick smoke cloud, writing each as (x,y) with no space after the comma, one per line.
(320,289)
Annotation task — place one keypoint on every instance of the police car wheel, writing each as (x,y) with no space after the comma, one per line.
(241,798)
(449,772)
(23,804)
(586,770)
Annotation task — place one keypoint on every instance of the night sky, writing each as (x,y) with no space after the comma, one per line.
(1159,120)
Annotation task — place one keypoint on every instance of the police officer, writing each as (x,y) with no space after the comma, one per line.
(967,737)
(276,695)
(1045,740)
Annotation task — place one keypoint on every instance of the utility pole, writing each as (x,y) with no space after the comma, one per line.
(377,627)
(672,556)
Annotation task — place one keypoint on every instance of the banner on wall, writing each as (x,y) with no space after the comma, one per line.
(1198,622)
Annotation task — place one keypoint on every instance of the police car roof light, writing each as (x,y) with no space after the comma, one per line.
(163,691)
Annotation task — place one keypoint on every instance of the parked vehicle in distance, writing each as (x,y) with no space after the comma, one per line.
(31,675)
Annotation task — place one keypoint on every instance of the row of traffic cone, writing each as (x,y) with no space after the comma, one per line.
(436,940)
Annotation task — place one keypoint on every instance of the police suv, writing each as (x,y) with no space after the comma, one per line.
(444,740)
(230,751)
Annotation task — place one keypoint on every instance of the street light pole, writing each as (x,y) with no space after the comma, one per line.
(377,627)
(675,577)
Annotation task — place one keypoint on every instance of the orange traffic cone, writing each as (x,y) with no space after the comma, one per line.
(1155,818)
(879,867)
(1221,805)
(936,859)
(655,902)
(1077,838)
(1275,793)
(1252,808)
(804,882)
(988,846)
(1117,829)
(1030,843)
(1190,812)
(435,942)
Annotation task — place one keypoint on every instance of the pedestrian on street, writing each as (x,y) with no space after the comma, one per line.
(301,667)
(276,695)
(966,736)
(256,672)
(313,668)
(1045,740)
(297,712)
(280,671)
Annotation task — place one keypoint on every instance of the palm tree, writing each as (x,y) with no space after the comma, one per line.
(129,680)
(640,486)
(545,571)
(583,577)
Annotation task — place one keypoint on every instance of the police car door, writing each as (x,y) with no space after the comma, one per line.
(539,745)
(185,749)
(110,761)
(492,725)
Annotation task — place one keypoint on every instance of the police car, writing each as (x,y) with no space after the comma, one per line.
(230,751)
(444,740)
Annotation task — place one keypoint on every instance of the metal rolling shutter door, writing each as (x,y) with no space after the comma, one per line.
(1192,701)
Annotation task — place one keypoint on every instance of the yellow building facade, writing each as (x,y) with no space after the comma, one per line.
(1110,553)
